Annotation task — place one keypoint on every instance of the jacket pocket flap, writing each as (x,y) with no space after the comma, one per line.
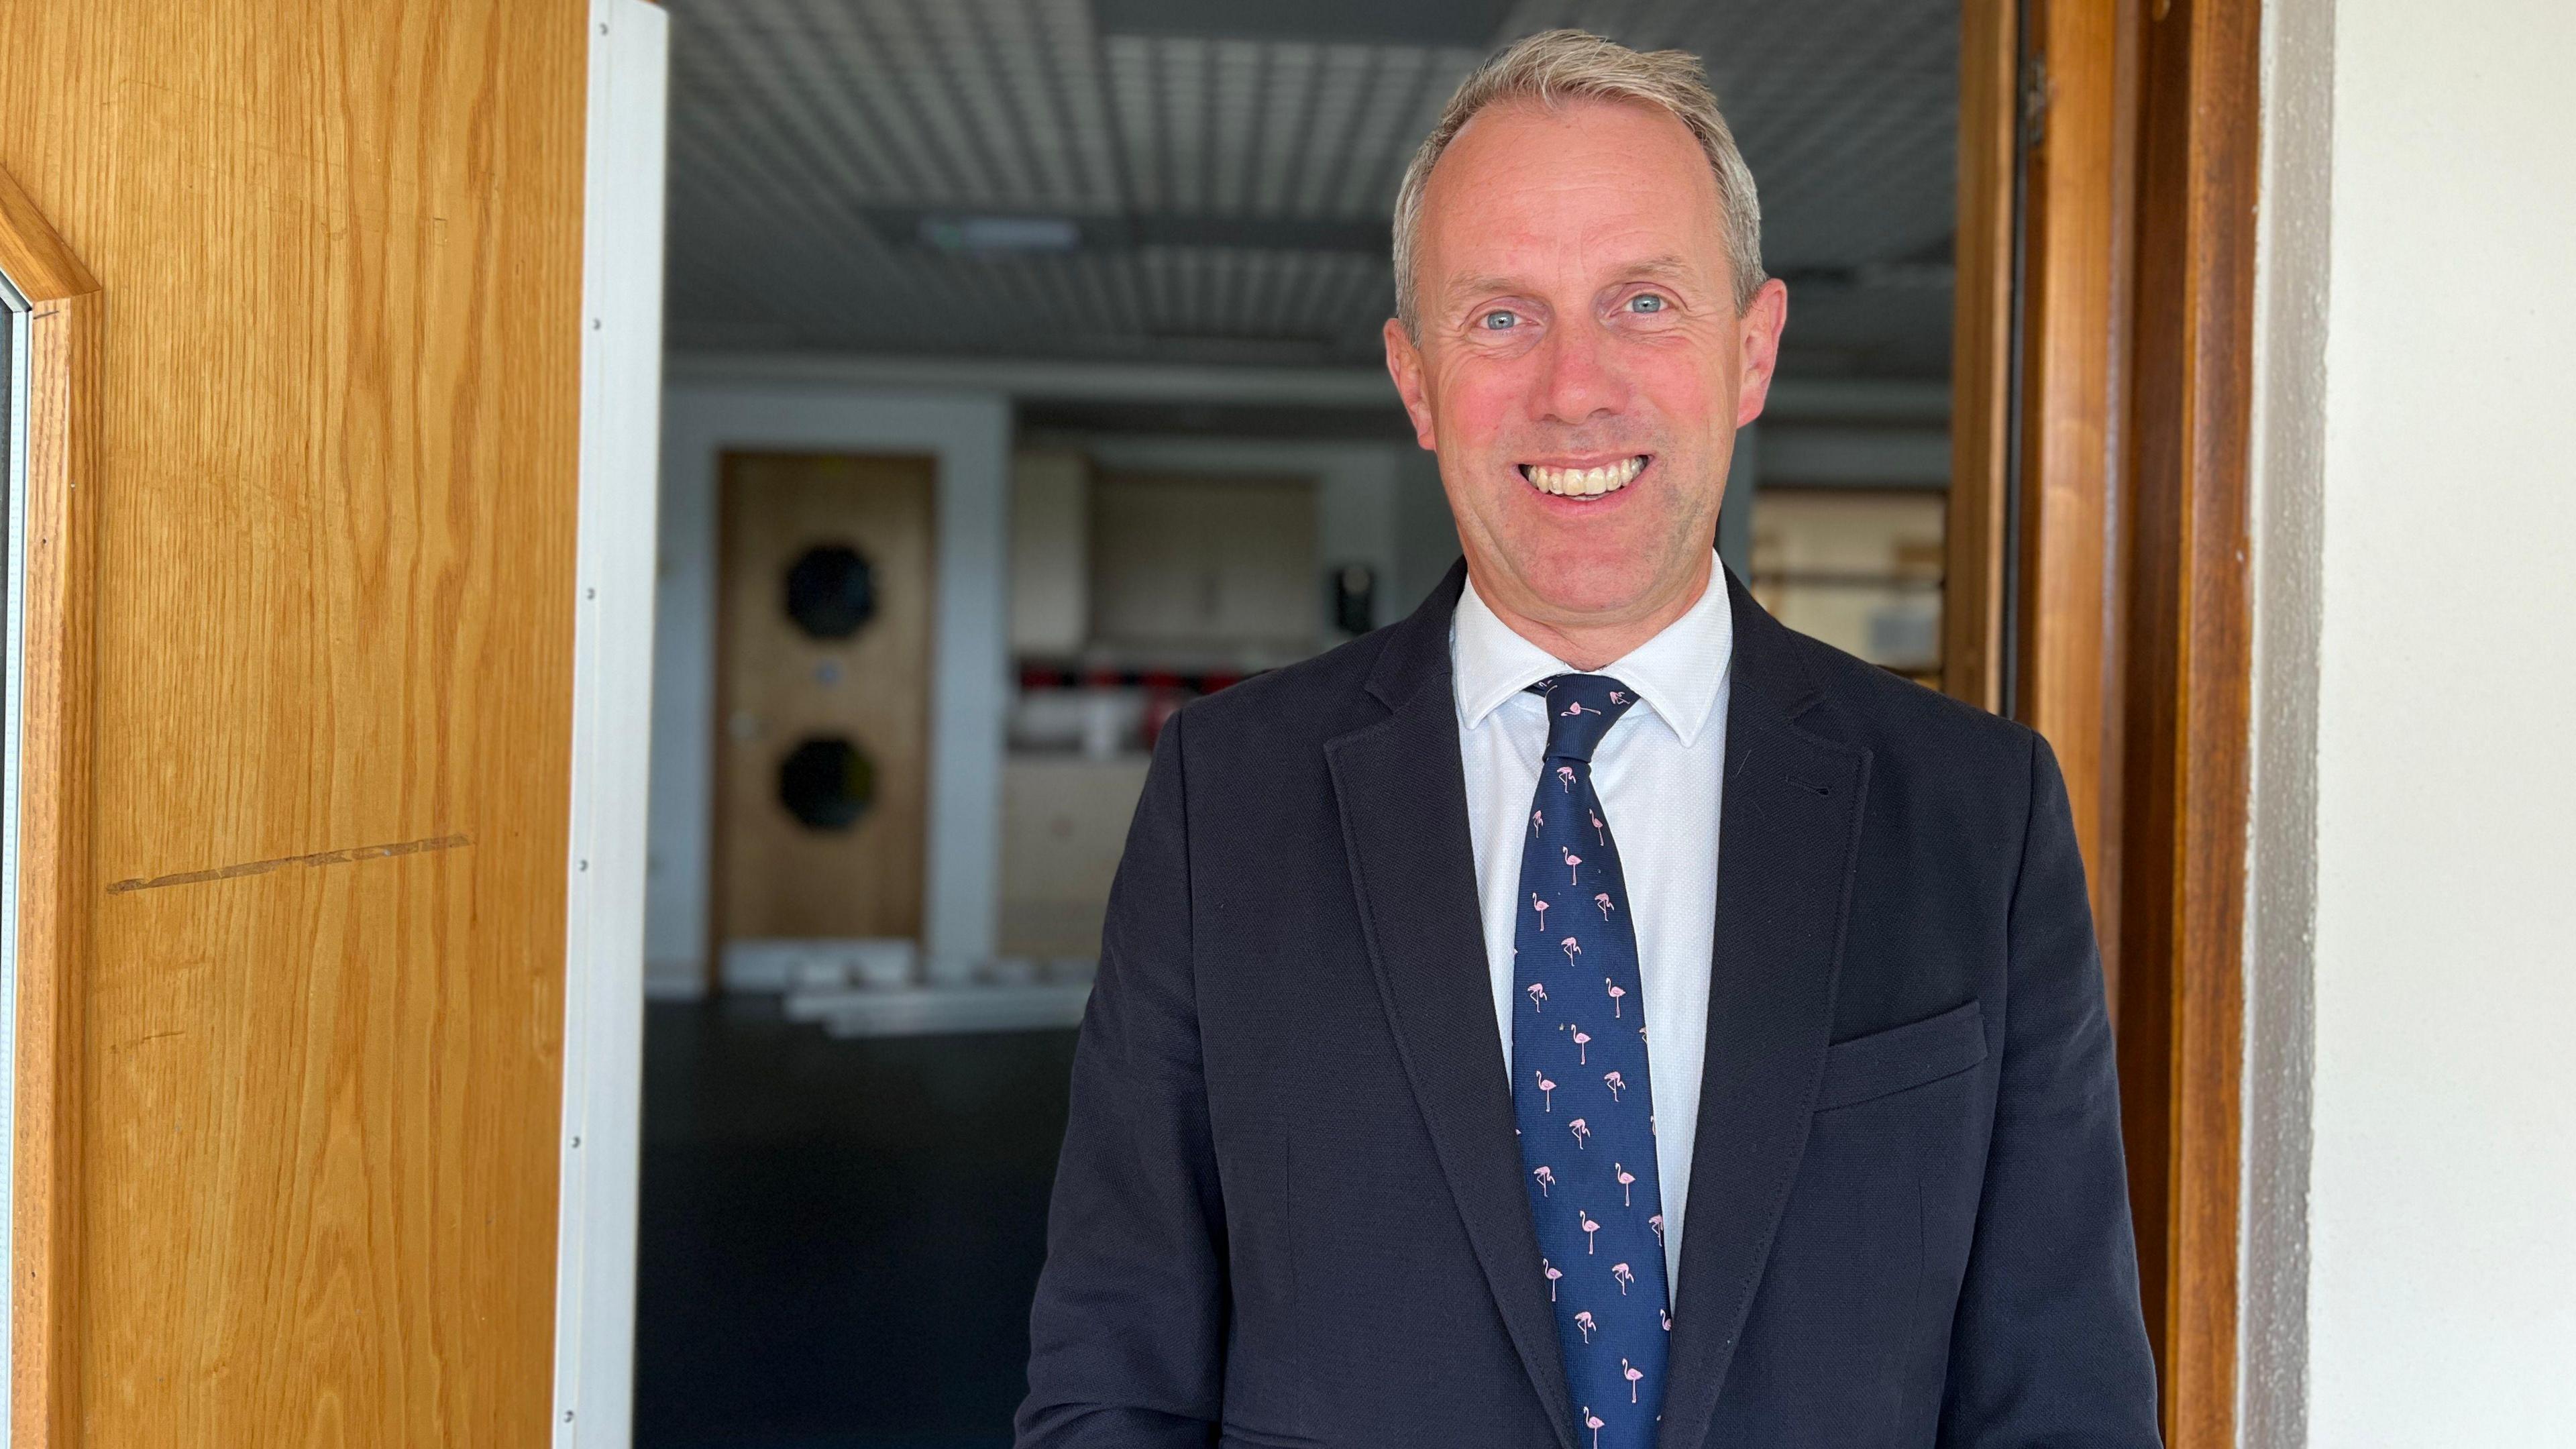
(1887,1061)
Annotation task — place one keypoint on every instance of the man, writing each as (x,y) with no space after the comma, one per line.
(1587,1013)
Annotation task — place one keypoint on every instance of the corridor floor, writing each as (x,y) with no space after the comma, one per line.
(839,1237)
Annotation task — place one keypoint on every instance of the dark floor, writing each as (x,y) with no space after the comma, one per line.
(839,1238)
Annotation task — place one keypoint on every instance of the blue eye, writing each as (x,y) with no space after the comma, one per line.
(1498,320)
(1646,302)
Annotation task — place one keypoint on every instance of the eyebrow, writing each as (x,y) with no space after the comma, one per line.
(1664,267)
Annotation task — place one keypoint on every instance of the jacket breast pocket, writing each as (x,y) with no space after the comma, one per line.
(1885,1062)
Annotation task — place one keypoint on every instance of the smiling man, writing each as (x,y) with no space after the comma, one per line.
(1588,1013)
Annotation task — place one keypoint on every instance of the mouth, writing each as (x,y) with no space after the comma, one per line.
(1584,481)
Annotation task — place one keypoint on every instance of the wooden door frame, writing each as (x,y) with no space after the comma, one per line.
(56,666)
(2098,557)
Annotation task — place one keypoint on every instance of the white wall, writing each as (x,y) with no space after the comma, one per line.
(970,435)
(2415,811)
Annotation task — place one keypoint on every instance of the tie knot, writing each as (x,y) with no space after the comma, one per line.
(1580,710)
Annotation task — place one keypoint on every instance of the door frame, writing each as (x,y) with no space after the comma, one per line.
(54,309)
(2099,546)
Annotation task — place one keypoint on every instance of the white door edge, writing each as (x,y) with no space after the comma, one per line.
(603,1029)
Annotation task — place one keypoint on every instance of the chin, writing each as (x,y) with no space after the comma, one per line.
(1583,580)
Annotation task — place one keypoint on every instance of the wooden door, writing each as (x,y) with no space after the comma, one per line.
(311,1085)
(823,682)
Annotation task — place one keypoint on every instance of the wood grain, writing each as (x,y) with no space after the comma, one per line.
(312,1112)
(2076,295)
(1981,345)
(2189,672)
(777,686)
(57,610)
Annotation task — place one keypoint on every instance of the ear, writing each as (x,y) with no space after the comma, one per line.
(1765,317)
(1404,364)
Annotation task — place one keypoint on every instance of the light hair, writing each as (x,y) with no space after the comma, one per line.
(1557,66)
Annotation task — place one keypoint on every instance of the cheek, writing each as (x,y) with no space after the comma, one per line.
(1478,404)
(1691,390)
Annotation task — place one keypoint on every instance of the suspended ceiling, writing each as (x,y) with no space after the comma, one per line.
(1197,180)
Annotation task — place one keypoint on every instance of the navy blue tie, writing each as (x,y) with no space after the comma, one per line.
(1580,1092)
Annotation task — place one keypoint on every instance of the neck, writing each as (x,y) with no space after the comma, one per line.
(1590,643)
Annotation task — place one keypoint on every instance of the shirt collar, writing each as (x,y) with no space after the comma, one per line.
(1677,674)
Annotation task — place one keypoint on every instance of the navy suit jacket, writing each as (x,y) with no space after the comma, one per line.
(1289,1208)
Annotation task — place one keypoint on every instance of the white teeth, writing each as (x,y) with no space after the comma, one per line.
(1584,482)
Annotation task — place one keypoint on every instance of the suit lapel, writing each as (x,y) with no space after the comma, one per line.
(1788,831)
(1403,797)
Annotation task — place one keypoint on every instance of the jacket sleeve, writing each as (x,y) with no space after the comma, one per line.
(2049,1347)
(1126,1336)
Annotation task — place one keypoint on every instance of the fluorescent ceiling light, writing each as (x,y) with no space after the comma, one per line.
(1001,233)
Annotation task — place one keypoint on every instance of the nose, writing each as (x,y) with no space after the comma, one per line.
(1580,377)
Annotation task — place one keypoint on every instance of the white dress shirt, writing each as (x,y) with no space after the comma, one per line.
(1657,772)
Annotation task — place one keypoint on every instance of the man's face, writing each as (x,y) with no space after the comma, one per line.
(1581,368)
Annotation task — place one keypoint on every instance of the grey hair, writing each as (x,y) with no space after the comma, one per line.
(1557,66)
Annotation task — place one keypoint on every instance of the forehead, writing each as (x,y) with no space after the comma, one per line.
(1585,184)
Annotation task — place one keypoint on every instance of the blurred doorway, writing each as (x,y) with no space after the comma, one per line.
(1135,254)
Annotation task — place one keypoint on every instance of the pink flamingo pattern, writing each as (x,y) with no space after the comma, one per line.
(1610,1301)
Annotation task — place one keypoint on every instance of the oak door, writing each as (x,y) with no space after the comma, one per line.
(823,674)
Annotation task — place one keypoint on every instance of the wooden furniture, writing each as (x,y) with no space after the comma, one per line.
(1197,564)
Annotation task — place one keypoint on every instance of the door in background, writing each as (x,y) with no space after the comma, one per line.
(823,682)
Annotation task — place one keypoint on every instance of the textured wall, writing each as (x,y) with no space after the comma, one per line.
(2416,526)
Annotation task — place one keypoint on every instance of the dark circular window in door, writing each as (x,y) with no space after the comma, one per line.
(831,591)
(827,783)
